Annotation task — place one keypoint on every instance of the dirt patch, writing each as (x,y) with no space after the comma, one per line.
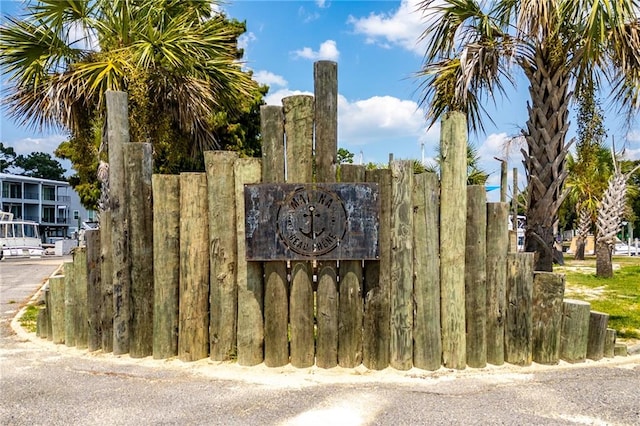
(586,293)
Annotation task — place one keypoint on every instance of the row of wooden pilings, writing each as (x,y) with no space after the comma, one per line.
(166,274)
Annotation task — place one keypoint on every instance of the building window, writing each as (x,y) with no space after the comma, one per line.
(11,190)
(48,214)
(76,214)
(49,193)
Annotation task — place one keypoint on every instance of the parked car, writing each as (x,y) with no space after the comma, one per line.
(622,249)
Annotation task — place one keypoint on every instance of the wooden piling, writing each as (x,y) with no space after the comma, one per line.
(548,292)
(250,334)
(609,343)
(427,350)
(81,312)
(106,282)
(166,260)
(58,306)
(49,310)
(70,304)
(519,314)
(94,290)
(325,79)
(401,354)
(139,165)
(598,322)
(575,330)
(476,277)
(298,127)
(276,300)
(497,249)
(377,283)
(224,256)
(453,207)
(117,136)
(193,329)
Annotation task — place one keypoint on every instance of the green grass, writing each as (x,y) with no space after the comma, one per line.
(29,318)
(618,296)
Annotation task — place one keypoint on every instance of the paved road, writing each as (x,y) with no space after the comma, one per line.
(46,384)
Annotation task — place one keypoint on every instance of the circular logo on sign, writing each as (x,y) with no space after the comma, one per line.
(312,222)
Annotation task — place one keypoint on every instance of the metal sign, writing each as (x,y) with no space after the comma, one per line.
(322,221)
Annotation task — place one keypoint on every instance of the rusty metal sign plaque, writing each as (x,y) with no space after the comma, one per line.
(322,221)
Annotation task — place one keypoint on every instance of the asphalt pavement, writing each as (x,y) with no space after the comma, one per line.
(46,384)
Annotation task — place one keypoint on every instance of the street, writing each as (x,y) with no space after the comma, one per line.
(47,384)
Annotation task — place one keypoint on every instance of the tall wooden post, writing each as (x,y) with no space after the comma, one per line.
(476,276)
(94,290)
(514,213)
(106,280)
(80,281)
(519,315)
(193,334)
(139,164)
(224,259)
(57,290)
(326,149)
(70,304)
(453,207)
(497,249)
(401,264)
(427,350)
(117,136)
(276,300)
(574,336)
(166,261)
(249,277)
(351,304)
(377,283)
(298,128)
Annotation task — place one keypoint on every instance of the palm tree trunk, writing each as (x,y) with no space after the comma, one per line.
(604,266)
(545,160)
(584,225)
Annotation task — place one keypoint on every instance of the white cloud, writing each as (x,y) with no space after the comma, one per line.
(269,78)
(47,144)
(633,136)
(401,27)
(323,4)
(275,98)
(328,50)
(245,39)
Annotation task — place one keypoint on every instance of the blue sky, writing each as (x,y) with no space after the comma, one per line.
(375,44)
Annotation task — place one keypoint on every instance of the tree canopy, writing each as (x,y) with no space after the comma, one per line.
(178,60)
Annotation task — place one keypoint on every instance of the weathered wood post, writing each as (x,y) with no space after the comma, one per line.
(503,181)
(497,249)
(575,330)
(139,165)
(80,281)
(401,264)
(94,290)
(57,291)
(598,322)
(193,330)
(224,256)
(249,277)
(166,264)
(453,210)
(513,239)
(377,283)
(70,304)
(117,136)
(106,282)
(351,304)
(609,343)
(276,299)
(298,123)
(548,291)
(519,315)
(326,126)
(476,276)
(427,350)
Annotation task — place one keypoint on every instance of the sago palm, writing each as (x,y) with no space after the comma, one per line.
(473,49)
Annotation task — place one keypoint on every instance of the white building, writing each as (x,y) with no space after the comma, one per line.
(53,204)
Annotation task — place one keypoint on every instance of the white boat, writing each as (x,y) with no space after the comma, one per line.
(19,238)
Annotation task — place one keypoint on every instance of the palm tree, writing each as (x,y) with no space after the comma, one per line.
(559,45)
(178,61)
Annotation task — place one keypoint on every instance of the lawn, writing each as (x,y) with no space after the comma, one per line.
(618,296)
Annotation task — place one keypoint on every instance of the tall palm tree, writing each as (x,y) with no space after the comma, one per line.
(559,45)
